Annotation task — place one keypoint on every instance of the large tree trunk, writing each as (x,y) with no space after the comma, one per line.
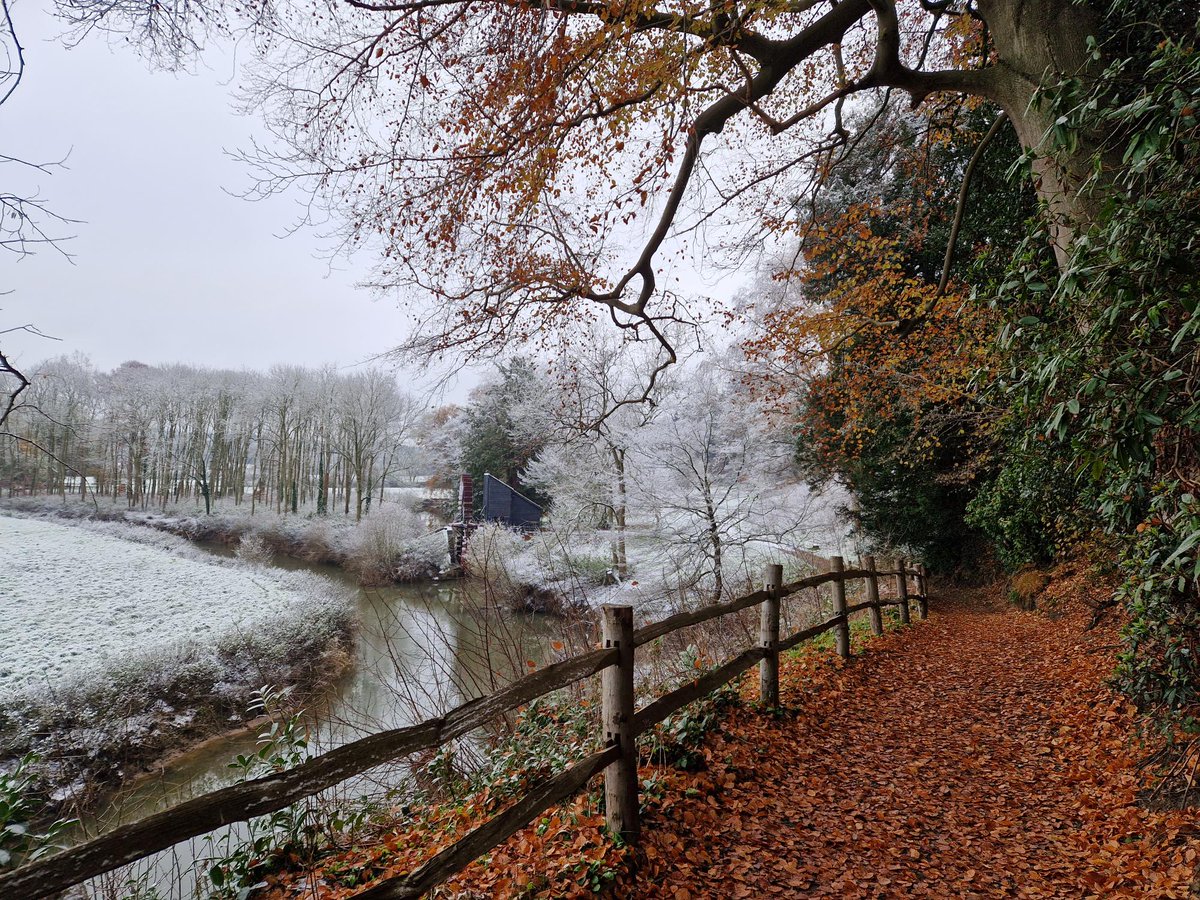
(1038,42)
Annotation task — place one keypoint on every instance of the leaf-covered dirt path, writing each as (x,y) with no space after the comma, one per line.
(978,754)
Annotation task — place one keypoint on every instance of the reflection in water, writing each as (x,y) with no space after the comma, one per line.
(421,650)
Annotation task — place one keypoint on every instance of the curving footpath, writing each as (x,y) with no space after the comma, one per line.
(977,754)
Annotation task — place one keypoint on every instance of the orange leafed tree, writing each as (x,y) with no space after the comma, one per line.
(871,327)
(525,161)
(880,344)
(872,342)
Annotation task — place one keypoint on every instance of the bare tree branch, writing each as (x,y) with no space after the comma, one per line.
(22,217)
(961,206)
(515,163)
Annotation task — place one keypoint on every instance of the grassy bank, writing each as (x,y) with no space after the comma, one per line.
(394,543)
(127,644)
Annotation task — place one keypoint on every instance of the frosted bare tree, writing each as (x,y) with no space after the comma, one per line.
(717,474)
(600,415)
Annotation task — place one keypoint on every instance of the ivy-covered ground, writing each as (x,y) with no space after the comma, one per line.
(977,754)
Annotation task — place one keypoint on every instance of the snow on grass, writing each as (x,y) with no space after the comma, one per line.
(118,644)
(74,598)
(393,542)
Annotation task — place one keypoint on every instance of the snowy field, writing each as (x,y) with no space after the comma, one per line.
(393,541)
(73,598)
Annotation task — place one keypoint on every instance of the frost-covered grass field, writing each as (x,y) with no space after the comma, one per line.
(393,542)
(77,597)
(120,643)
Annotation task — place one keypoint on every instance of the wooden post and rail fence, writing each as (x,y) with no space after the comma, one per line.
(622,722)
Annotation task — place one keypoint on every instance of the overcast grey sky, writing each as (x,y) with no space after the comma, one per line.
(167,265)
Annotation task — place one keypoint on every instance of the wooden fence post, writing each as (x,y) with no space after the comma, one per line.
(873,596)
(902,590)
(768,635)
(922,593)
(616,691)
(839,609)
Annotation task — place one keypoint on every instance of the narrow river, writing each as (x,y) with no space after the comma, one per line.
(421,650)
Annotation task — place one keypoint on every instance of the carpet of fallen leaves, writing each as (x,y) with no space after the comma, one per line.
(976,754)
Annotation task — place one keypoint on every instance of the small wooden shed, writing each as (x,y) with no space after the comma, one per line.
(507,506)
(501,504)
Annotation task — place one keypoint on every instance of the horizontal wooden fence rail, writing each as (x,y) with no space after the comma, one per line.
(270,793)
(614,662)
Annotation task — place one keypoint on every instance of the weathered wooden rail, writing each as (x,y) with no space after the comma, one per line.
(615,662)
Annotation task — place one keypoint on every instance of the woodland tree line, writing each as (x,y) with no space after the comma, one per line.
(153,435)
(703,476)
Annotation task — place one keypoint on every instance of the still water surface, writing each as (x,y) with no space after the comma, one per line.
(421,650)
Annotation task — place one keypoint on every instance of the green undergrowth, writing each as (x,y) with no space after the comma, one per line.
(23,835)
(1104,374)
(860,633)
(238,861)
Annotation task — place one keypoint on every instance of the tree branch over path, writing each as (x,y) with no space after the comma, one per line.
(515,165)
(7,369)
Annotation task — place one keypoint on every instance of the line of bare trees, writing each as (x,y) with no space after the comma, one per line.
(157,435)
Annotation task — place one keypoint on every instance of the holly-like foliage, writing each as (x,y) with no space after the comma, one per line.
(1103,356)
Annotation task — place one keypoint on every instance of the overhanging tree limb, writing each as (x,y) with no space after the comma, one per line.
(448,133)
(961,206)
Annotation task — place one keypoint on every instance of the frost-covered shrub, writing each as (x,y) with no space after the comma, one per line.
(323,542)
(546,571)
(394,544)
(507,563)
(573,560)
(254,550)
(423,557)
(498,556)
(97,724)
(378,542)
(590,564)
